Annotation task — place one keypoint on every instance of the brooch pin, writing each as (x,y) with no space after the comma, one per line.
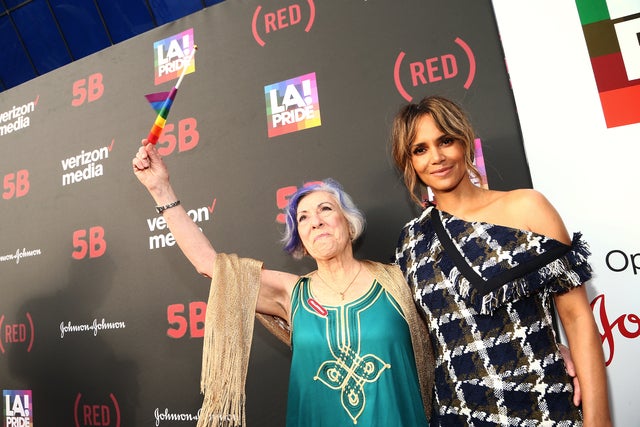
(317,307)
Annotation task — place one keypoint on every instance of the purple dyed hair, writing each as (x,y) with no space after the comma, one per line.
(355,218)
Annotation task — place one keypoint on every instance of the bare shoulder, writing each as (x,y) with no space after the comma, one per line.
(536,213)
(525,199)
(509,206)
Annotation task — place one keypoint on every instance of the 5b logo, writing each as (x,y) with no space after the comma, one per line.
(185,138)
(87,90)
(15,184)
(185,319)
(89,242)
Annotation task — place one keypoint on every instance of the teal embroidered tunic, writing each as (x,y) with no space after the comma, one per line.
(352,364)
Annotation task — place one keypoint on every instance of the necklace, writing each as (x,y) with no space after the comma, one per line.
(344,291)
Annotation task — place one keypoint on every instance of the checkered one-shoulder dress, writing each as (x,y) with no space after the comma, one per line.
(486,293)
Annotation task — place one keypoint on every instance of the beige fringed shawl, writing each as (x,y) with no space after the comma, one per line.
(225,356)
(227,340)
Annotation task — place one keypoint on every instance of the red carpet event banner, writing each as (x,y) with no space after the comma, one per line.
(101,315)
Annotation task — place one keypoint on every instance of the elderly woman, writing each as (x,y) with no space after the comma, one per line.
(361,354)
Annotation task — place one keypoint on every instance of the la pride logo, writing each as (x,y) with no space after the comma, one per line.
(17,408)
(292,105)
(170,55)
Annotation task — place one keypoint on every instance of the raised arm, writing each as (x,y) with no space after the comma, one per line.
(152,172)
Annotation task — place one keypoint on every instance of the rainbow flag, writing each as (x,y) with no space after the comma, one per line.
(161,103)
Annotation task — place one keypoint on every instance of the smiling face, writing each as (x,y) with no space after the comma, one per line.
(438,159)
(410,120)
(322,226)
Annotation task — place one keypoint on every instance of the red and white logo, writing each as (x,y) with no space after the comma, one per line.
(459,64)
(97,413)
(297,15)
(17,333)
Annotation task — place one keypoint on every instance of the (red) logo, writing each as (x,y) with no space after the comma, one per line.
(436,68)
(291,16)
(97,413)
(17,333)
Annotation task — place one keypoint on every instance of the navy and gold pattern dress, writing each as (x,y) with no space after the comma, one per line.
(352,364)
(487,301)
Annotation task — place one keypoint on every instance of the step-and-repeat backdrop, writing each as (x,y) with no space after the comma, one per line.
(101,315)
(575,70)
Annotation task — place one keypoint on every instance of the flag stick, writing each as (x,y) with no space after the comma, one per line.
(163,112)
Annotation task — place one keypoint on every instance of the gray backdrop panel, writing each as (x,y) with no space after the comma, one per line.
(352,47)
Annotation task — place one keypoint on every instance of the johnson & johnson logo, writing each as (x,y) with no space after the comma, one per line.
(20,254)
(93,327)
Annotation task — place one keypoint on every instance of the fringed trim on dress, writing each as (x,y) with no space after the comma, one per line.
(558,276)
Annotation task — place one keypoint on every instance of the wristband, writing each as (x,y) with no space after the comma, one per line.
(161,209)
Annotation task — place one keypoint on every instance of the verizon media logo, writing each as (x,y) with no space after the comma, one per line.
(84,165)
(17,408)
(17,118)
(20,254)
(161,238)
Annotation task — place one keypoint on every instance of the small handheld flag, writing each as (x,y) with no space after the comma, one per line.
(161,102)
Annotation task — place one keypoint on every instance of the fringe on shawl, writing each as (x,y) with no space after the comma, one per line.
(560,275)
(227,340)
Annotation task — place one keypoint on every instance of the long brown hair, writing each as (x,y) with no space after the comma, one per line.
(449,118)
